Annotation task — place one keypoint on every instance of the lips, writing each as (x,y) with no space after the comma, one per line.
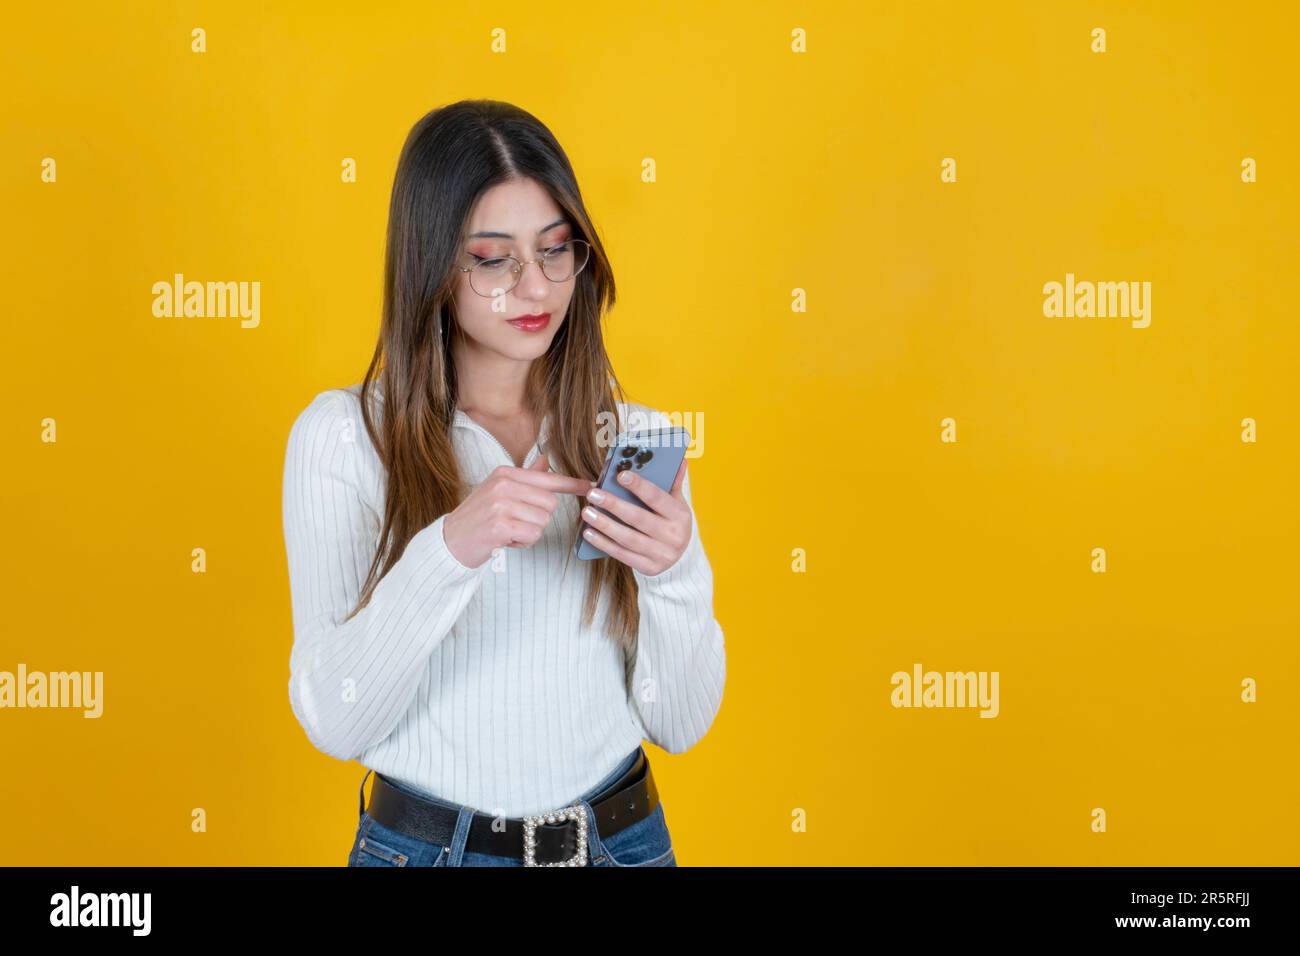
(531,323)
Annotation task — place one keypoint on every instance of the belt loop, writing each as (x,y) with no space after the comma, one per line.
(361,796)
(460,836)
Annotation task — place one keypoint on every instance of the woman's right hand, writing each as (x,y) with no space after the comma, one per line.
(508,509)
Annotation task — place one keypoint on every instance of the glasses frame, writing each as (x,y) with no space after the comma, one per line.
(518,269)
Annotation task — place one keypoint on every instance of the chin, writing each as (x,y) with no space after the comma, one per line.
(534,347)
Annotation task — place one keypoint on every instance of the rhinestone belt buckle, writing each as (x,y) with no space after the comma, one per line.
(575,813)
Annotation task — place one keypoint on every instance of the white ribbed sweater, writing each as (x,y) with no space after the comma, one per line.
(477,685)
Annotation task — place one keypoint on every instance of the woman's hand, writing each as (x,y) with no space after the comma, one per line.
(509,509)
(656,538)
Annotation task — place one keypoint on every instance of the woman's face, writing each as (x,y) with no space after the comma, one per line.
(520,219)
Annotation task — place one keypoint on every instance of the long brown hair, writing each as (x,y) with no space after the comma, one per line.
(451,156)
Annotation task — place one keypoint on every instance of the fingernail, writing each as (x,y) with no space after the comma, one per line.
(590,514)
(625,477)
(596,496)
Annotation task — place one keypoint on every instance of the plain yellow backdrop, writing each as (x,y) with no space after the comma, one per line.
(776,171)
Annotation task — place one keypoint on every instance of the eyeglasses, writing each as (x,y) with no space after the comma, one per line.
(498,275)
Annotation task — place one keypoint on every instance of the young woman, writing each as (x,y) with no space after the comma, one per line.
(445,634)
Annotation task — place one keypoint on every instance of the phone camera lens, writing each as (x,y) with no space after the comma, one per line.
(644,457)
(623,465)
(628,451)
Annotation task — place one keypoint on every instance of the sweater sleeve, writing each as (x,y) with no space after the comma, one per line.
(351,681)
(681,664)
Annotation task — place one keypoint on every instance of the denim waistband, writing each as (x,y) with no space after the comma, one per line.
(623,767)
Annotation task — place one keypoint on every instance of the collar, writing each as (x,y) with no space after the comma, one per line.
(459,419)
(462,420)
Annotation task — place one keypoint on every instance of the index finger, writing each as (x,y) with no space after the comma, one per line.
(552,481)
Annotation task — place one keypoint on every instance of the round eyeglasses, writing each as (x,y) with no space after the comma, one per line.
(498,275)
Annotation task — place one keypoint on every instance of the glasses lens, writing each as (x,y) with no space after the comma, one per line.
(565,260)
(493,276)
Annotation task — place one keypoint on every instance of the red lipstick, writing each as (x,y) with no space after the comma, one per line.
(531,323)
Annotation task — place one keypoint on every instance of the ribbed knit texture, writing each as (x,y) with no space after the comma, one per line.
(477,685)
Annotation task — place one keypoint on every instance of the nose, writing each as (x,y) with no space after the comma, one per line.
(533,284)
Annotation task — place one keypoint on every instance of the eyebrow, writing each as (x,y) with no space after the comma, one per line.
(505,235)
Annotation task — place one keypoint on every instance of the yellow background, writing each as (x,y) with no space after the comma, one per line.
(776,171)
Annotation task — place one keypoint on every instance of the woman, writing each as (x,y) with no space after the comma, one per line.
(445,634)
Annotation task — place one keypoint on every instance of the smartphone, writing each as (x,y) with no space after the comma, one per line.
(655,454)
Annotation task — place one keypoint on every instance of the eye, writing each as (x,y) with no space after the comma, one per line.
(497,262)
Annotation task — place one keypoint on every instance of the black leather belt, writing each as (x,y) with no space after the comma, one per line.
(561,842)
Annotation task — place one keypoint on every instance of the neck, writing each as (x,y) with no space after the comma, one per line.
(490,384)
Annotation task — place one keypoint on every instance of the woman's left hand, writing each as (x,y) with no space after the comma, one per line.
(656,538)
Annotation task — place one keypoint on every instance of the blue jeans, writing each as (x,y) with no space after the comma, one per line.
(644,843)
